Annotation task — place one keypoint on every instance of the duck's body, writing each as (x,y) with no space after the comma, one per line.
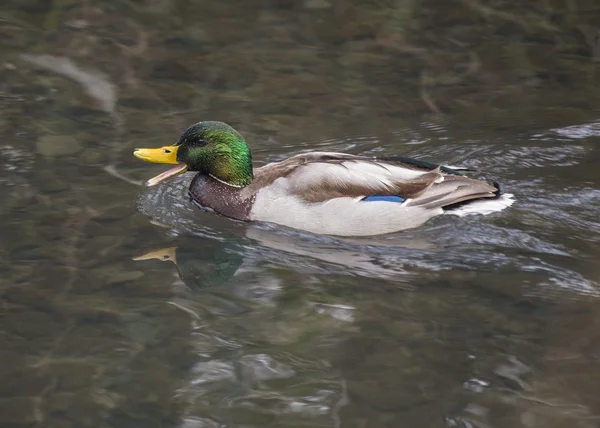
(325,193)
(332,193)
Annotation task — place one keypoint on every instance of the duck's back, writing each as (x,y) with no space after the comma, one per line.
(338,194)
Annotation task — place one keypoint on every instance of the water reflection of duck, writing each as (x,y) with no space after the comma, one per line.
(205,262)
(198,266)
(320,192)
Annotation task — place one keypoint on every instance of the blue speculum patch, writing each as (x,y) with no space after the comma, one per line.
(384,199)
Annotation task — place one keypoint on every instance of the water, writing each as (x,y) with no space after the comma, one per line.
(123,306)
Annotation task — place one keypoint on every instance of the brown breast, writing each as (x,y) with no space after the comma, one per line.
(224,199)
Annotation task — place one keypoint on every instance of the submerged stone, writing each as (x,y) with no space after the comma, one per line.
(57,145)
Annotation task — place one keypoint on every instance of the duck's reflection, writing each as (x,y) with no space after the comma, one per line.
(199,264)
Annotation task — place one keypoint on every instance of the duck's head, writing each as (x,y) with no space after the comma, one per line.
(212,148)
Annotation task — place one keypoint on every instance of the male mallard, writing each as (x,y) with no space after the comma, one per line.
(320,192)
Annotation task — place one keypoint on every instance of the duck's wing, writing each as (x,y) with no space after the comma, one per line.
(322,176)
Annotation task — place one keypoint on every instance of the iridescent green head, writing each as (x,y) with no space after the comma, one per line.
(212,148)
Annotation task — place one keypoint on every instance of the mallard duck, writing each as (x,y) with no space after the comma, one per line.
(320,192)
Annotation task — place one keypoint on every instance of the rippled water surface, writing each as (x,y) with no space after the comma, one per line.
(126,306)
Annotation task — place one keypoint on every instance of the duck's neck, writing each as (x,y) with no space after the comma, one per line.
(227,200)
(233,173)
(237,186)
(232,167)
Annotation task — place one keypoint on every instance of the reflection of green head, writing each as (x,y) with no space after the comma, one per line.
(200,264)
(201,270)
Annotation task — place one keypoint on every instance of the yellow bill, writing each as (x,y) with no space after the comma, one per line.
(166,154)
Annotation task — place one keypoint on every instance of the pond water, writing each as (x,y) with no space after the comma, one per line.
(126,306)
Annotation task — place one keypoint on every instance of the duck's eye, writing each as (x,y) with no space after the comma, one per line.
(167,151)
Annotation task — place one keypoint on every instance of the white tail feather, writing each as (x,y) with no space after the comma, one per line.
(484,206)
